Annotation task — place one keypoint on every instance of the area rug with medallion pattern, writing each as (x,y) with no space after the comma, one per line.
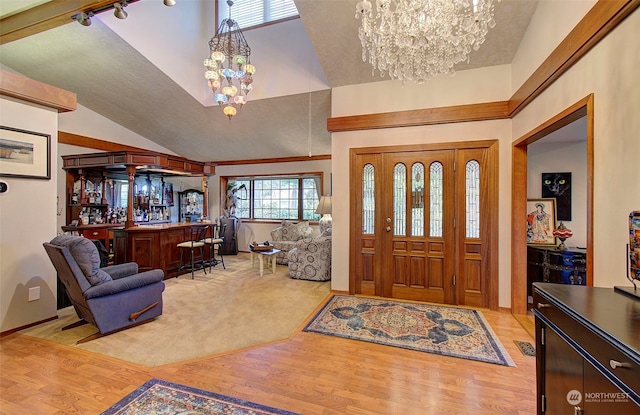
(159,397)
(443,330)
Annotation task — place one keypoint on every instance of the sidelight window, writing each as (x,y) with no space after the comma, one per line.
(435,199)
(473,199)
(368,199)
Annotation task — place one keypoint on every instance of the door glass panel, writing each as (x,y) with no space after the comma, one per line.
(400,199)
(435,199)
(417,199)
(368,199)
(473,199)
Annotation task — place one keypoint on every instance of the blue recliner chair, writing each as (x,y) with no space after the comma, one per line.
(111,298)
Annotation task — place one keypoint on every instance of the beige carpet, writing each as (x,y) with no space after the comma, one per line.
(218,312)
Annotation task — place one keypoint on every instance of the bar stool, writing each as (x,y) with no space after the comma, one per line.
(197,232)
(216,238)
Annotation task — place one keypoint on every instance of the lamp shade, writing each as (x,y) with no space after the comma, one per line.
(324,207)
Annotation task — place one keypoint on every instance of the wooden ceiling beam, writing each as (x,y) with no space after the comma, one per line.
(43,17)
(25,89)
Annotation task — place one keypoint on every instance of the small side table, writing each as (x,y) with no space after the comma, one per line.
(270,255)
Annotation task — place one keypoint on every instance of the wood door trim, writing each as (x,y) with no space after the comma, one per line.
(493,155)
(582,108)
(454,145)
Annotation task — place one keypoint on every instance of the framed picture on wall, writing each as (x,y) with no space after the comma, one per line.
(558,186)
(24,154)
(541,221)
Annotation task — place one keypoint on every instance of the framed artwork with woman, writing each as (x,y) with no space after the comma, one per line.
(541,221)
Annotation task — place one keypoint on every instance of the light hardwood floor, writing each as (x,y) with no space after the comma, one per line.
(308,374)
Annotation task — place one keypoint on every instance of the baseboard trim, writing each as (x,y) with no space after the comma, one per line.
(17,329)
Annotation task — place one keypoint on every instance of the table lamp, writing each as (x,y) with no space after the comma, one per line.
(562,233)
(324,209)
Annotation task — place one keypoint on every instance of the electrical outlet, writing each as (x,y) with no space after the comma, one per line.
(34,293)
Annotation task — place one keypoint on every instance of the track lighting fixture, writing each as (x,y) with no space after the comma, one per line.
(84,18)
(119,11)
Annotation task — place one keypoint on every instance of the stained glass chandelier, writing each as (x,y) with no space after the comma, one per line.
(229,64)
(417,39)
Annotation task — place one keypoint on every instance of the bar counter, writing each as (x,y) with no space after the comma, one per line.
(153,246)
(101,232)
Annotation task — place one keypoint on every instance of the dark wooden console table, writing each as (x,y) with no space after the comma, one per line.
(587,350)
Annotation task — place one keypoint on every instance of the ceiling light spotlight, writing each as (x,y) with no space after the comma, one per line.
(83,18)
(169,3)
(119,11)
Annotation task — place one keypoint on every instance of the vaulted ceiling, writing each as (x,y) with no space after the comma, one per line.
(146,74)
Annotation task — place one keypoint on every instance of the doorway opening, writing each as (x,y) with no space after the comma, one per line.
(519,286)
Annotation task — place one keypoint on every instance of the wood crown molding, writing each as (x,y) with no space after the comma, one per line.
(272,160)
(93,143)
(107,146)
(429,116)
(25,89)
(97,144)
(603,17)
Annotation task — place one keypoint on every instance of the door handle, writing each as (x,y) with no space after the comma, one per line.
(388,228)
(616,364)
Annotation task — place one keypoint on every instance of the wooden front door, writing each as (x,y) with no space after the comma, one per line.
(420,227)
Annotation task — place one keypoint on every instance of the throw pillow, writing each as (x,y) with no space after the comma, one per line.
(296,231)
(86,255)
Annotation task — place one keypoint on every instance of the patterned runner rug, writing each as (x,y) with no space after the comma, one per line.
(443,330)
(157,397)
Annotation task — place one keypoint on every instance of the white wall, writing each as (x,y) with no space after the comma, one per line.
(85,122)
(466,87)
(609,71)
(25,223)
(551,23)
(562,157)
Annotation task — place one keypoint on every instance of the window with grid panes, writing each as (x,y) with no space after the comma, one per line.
(277,198)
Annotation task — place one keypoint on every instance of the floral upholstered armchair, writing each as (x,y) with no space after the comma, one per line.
(310,259)
(285,237)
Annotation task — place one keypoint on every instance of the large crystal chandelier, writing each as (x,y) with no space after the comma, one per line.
(417,39)
(228,64)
